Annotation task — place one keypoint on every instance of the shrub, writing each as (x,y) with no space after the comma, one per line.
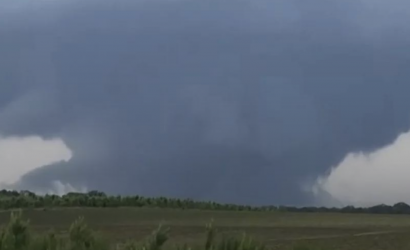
(15,235)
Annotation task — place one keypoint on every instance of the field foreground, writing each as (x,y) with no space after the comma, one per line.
(278,230)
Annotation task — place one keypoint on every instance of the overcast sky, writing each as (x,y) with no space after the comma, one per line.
(248,101)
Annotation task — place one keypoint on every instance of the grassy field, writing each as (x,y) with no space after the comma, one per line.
(279,230)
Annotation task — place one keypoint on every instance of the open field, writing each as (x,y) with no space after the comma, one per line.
(279,230)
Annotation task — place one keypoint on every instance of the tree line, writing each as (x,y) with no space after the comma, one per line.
(25,199)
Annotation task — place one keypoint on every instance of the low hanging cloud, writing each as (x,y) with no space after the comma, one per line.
(20,155)
(367,179)
(233,101)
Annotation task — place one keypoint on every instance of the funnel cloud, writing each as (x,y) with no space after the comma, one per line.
(235,101)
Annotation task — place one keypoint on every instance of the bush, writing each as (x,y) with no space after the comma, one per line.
(16,234)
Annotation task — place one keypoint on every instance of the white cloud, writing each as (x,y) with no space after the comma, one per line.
(20,155)
(361,179)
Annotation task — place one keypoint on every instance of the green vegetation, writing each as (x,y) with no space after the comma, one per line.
(27,199)
(116,228)
(97,221)
(17,236)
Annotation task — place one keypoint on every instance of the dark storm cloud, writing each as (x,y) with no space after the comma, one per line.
(237,101)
